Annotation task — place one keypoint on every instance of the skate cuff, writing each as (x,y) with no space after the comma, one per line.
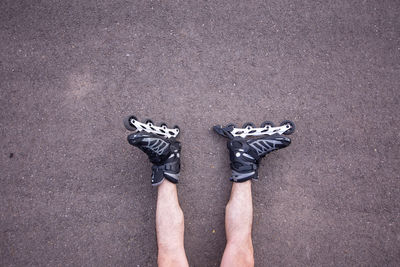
(242,177)
(167,171)
(172,177)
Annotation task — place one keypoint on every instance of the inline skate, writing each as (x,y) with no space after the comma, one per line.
(245,154)
(160,145)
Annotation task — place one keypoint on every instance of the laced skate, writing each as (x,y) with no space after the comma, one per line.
(159,143)
(245,154)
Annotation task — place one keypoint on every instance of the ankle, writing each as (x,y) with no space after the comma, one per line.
(241,253)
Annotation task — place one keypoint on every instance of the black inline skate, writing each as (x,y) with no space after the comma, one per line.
(159,143)
(245,154)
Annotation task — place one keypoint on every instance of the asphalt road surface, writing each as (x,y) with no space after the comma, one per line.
(75,193)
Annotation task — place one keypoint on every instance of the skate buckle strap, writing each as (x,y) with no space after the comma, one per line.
(169,170)
(249,167)
(171,166)
(242,177)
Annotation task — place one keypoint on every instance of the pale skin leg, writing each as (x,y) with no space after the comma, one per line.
(238,224)
(170,227)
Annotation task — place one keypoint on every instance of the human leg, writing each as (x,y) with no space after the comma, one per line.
(245,155)
(163,150)
(170,227)
(238,224)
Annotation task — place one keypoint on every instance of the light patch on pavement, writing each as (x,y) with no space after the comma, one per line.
(80,84)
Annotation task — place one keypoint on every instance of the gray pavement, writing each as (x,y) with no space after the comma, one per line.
(75,193)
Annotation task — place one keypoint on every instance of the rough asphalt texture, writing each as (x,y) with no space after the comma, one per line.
(75,193)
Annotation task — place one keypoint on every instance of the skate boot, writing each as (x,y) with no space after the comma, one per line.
(159,143)
(245,154)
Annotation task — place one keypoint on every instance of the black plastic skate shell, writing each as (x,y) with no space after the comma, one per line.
(245,153)
(160,145)
(131,123)
(249,129)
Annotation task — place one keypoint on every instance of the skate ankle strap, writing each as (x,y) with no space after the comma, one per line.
(242,177)
(250,167)
(169,170)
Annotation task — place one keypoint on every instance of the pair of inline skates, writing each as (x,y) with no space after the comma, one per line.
(163,150)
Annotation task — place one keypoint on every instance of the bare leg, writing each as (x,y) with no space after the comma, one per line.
(238,223)
(170,227)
